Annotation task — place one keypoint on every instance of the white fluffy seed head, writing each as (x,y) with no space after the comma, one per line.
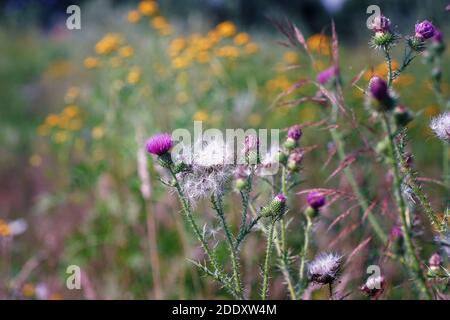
(209,169)
(441,126)
(324,268)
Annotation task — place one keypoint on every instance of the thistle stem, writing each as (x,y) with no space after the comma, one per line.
(217,203)
(266,271)
(302,274)
(210,254)
(413,262)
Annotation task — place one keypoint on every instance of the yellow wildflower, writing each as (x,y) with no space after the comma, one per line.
(176,46)
(203,57)
(226,28)
(108,43)
(319,43)
(159,22)
(134,16)
(71,111)
(228,52)
(134,76)
(52,120)
(241,38)
(75,124)
(182,97)
(147,8)
(91,63)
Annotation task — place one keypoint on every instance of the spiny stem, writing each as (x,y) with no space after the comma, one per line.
(389,65)
(304,253)
(217,203)
(211,255)
(413,262)
(266,271)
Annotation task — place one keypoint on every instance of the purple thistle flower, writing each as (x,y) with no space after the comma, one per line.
(280,197)
(378,89)
(380,24)
(316,200)
(327,74)
(447,8)
(159,144)
(295,132)
(424,30)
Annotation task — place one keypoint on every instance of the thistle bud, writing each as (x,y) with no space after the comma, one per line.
(294,160)
(276,207)
(424,30)
(251,149)
(282,157)
(241,184)
(397,240)
(159,145)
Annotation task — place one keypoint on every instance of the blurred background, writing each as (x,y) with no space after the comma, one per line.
(76,105)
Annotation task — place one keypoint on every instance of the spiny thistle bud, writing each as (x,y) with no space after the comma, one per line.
(295,132)
(416,44)
(316,200)
(180,167)
(402,116)
(276,207)
(294,160)
(435,262)
(374,286)
(379,91)
(382,147)
(241,184)
(159,145)
(325,268)
(383,37)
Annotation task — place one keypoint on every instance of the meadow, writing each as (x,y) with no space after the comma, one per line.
(358,209)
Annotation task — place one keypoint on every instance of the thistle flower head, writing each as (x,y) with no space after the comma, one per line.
(316,200)
(295,132)
(378,88)
(441,126)
(327,74)
(324,268)
(380,24)
(424,30)
(402,115)
(159,144)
